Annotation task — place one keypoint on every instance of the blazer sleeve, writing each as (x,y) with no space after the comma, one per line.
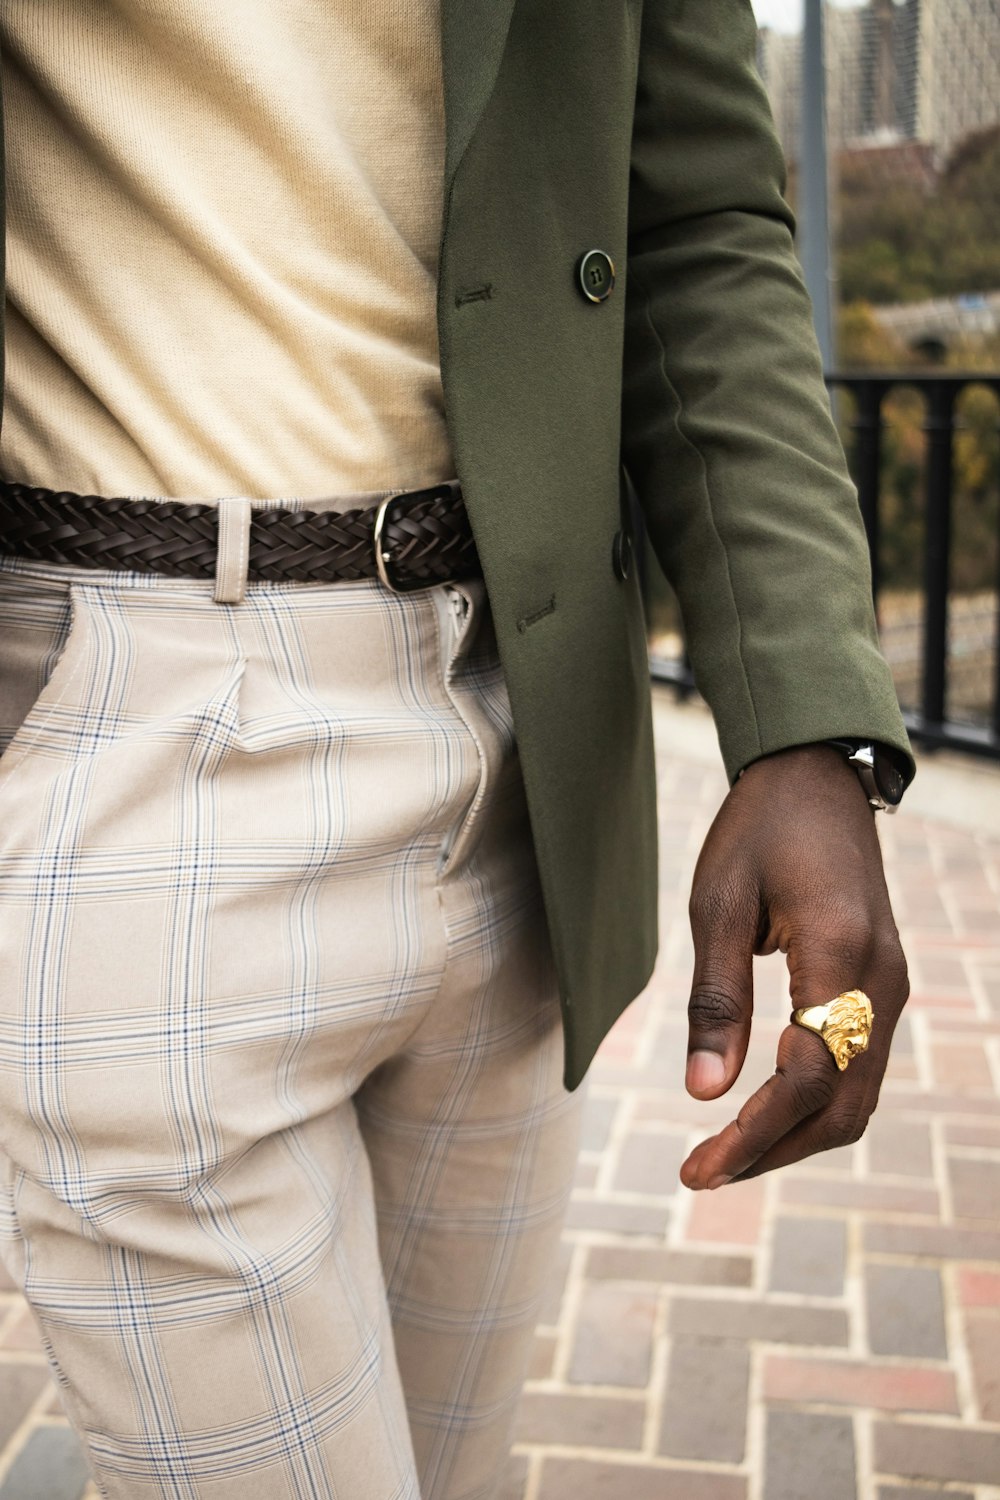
(727,430)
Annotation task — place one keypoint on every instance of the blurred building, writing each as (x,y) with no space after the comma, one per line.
(957,87)
(897,71)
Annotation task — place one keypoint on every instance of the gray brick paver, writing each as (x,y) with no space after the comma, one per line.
(809,1256)
(577,1479)
(706,1406)
(809,1456)
(905,1306)
(676,1267)
(649,1163)
(598,1118)
(901,1147)
(975,1189)
(935,1241)
(50,1466)
(982,1328)
(591,1421)
(906,1492)
(965,1454)
(763,1322)
(614,1335)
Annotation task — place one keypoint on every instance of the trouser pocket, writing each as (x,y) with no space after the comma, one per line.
(42,622)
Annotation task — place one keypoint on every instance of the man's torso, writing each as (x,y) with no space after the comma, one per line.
(223,228)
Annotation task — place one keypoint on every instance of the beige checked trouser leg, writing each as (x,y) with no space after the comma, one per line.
(285,1146)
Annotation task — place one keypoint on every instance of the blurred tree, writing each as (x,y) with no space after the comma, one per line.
(901,238)
(864,344)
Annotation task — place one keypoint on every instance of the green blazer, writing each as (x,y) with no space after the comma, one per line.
(640,128)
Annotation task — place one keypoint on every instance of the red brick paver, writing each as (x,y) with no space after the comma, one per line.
(830,1332)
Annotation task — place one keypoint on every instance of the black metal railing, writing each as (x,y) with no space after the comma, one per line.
(928,721)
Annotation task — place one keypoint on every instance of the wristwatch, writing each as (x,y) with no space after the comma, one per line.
(883,781)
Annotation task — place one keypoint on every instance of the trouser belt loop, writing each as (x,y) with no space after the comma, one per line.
(233,555)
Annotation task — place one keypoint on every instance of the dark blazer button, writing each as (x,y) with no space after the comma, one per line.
(596,273)
(621,554)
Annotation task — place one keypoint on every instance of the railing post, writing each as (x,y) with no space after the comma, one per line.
(939,426)
(867,428)
(995,716)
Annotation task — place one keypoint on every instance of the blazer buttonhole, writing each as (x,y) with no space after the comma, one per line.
(539,614)
(481,293)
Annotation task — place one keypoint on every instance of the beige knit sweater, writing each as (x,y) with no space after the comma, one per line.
(222,246)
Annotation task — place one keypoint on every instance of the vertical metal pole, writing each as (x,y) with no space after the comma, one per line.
(939,426)
(814,214)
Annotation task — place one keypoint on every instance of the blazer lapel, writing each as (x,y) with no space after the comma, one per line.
(473,33)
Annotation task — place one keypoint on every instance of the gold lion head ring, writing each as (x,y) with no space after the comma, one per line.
(845,1024)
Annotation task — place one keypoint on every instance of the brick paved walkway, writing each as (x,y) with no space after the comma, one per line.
(830,1332)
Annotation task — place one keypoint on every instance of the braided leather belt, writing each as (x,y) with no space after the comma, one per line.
(409,541)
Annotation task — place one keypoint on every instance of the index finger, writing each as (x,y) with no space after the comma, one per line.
(805,1081)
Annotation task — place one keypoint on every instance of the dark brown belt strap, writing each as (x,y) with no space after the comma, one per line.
(426,533)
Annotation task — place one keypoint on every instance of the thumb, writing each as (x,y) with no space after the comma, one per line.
(724,927)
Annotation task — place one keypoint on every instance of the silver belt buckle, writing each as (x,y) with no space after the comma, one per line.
(383,559)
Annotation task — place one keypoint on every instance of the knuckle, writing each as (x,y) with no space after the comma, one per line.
(847,932)
(712,1007)
(841,1129)
(811,1088)
(851,947)
(747,1122)
(703,904)
(719,900)
(890,960)
(830,1135)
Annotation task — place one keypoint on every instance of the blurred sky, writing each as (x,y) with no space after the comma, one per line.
(786,15)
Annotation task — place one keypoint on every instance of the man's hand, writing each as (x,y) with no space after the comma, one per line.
(792,862)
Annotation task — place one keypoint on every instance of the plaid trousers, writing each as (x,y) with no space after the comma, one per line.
(284,1146)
